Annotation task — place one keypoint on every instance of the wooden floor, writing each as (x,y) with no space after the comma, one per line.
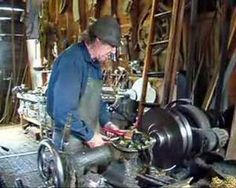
(21,159)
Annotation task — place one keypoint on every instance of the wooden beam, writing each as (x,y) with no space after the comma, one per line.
(173,50)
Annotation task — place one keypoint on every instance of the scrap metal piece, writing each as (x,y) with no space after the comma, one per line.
(181,184)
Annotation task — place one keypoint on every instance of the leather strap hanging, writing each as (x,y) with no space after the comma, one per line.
(83,14)
(98,8)
(114,8)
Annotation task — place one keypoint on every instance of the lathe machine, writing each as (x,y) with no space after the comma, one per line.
(150,157)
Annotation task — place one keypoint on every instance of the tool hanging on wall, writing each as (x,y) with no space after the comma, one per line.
(114,8)
(63,4)
(98,8)
(127,6)
(83,15)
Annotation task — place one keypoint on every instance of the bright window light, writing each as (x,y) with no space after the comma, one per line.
(5,18)
(12,9)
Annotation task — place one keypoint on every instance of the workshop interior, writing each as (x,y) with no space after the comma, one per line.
(170,86)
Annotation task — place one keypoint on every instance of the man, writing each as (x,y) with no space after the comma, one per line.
(76,81)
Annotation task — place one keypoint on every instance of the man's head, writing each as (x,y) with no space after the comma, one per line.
(104,36)
(107,29)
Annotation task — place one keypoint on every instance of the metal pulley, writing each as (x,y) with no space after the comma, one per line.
(50,164)
(173,136)
(180,130)
(195,116)
(57,167)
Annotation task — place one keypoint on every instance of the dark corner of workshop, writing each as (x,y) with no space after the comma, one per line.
(117,93)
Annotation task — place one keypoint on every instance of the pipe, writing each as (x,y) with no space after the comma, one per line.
(96,156)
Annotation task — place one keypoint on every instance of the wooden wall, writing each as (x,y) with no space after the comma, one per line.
(59,25)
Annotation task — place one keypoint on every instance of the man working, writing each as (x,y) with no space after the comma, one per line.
(76,81)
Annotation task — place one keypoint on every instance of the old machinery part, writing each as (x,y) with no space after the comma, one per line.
(55,167)
(166,137)
(137,142)
(116,79)
(181,101)
(135,66)
(195,115)
(181,131)
(221,119)
(198,117)
(151,94)
(32,108)
(18,183)
(172,133)
(162,33)
(222,136)
(82,160)
(123,173)
(50,164)
(209,140)
(93,180)
(61,168)
(123,111)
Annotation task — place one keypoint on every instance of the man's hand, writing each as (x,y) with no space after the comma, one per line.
(96,141)
(114,128)
(111,125)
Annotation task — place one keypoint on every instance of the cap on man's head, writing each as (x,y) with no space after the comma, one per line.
(107,29)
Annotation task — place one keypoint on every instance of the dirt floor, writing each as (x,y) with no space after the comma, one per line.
(21,159)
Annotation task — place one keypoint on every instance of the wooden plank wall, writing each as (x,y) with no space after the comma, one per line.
(61,27)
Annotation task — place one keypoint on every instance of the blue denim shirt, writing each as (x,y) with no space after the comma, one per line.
(67,84)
